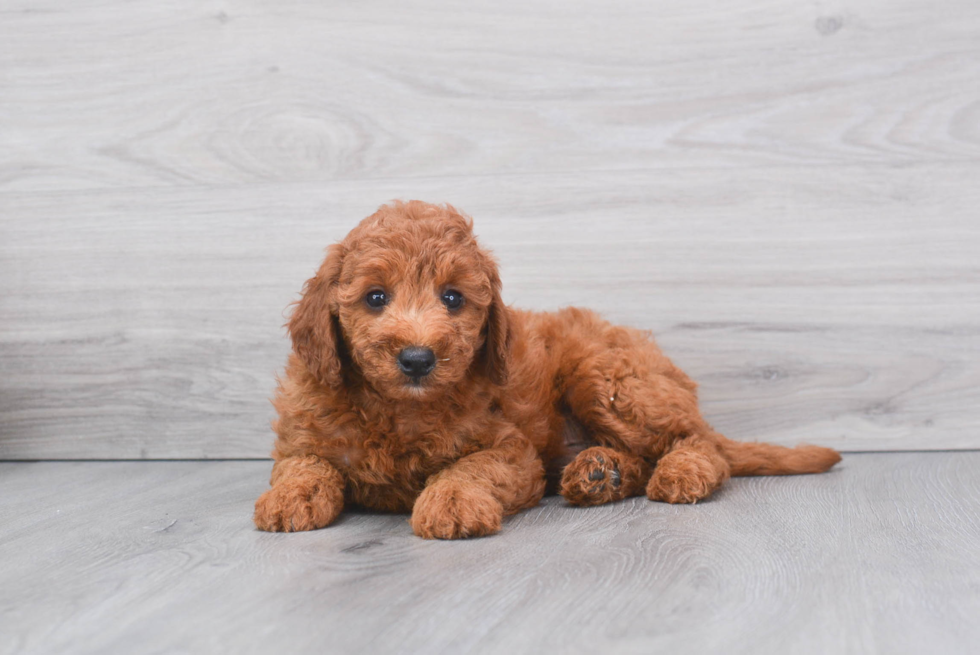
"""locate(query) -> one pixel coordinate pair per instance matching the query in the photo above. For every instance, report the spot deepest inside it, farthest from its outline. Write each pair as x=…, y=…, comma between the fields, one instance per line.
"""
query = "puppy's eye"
x=452, y=299
x=376, y=298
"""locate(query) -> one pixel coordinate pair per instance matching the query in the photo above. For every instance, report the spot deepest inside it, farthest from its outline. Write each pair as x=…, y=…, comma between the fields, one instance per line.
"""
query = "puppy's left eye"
x=376, y=299
x=452, y=299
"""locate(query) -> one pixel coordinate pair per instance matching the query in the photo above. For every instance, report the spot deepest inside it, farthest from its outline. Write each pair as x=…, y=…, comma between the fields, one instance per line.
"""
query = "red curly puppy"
x=412, y=387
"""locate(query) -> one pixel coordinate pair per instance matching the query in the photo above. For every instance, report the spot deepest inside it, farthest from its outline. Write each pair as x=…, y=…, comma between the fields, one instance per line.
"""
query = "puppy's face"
x=410, y=300
x=412, y=304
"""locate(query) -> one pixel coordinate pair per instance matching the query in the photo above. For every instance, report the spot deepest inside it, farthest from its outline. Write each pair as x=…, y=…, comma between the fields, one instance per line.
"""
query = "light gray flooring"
x=878, y=556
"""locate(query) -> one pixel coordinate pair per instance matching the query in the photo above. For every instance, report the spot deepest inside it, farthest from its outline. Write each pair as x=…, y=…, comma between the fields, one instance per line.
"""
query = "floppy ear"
x=497, y=344
x=314, y=326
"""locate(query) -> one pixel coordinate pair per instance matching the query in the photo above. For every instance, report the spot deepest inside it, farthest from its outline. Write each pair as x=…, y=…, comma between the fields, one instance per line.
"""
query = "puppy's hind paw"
x=602, y=475
x=683, y=477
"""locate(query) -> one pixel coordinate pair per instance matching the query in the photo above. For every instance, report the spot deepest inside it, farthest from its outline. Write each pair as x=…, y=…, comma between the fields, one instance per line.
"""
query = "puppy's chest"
x=387, y=469
x=383, y=456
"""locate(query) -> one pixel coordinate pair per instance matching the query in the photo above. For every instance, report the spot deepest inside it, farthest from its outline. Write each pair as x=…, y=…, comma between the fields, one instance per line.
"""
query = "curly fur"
x=472, y=442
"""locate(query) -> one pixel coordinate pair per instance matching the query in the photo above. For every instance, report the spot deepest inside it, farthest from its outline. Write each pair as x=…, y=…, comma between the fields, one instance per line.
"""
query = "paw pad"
x=592, y=479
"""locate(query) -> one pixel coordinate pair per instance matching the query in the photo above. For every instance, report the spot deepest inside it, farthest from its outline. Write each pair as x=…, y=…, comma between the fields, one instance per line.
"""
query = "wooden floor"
x=880, y=555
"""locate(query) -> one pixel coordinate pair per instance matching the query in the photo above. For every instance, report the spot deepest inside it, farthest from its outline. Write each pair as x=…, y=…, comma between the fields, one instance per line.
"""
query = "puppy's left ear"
x=497, y=345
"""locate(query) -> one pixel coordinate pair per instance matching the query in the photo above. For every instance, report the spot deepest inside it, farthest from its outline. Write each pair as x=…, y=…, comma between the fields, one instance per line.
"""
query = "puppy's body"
x=471, y=440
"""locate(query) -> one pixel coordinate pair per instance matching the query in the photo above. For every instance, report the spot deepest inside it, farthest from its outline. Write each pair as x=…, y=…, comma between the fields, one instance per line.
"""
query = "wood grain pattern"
x=877, y=556
x=785, y=193
x=839, y=319
x=135, y=94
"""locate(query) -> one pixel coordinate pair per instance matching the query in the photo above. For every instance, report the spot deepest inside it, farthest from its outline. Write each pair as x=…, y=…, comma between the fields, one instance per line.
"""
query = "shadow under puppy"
x=412, y=387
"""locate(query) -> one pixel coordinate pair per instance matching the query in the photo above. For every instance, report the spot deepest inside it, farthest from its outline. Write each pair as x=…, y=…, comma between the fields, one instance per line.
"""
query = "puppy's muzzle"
x=416, y=362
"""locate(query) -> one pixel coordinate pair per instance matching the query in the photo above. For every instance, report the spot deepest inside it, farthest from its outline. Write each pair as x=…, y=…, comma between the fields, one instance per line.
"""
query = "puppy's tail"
x=768, y=459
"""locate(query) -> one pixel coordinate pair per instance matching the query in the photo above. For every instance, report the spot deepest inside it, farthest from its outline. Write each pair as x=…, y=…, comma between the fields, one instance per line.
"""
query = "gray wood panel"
x=841, y=318
x=124, y=94
x=878, y=556
x=785, y=193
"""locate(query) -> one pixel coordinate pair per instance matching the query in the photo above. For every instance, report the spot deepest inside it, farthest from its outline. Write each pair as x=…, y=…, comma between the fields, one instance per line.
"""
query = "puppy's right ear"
x=314, y=326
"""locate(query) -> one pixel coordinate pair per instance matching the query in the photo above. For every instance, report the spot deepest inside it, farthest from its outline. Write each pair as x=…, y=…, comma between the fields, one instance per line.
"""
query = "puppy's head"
x=409, y=300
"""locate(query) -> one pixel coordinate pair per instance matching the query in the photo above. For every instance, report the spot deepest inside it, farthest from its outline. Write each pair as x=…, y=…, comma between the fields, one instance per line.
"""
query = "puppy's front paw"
x=683, y=477
x=293, y=507
x=451, y=510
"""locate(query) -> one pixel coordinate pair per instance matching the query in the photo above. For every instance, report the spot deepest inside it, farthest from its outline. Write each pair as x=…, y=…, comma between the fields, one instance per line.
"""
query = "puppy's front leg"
x=469, y=498
x=307, y=493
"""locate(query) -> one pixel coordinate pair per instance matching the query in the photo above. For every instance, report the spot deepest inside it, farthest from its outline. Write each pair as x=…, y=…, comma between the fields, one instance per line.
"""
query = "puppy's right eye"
x=376, y=298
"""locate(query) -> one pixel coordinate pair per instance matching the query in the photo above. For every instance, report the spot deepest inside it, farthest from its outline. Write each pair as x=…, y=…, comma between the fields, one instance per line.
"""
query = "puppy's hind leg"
x=632, y=399
x=655, y=417
x=635, y=400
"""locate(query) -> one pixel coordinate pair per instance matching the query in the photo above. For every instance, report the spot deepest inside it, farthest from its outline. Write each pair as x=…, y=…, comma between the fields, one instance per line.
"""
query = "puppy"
x=413, y=388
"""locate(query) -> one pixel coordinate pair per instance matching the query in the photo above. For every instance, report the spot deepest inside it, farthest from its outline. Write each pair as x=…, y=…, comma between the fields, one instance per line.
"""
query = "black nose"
x=416, y=362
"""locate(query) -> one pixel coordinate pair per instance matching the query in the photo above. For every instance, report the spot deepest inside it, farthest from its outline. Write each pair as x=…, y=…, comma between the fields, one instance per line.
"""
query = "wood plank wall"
x=787, y=194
